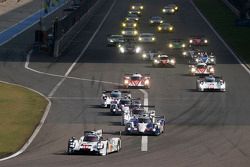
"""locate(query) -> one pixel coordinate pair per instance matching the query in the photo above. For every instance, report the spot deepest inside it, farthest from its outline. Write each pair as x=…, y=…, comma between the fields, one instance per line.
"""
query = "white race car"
x=211, y=83
x=129, y=31
x=113, y=40
x=130, y=47
x=114, y=95
x=170, y=9
x=155, y=20
x=147, y=37
x=136, y=80
x=137, y=6
x=93, y=142
x=201, y=69
x=134, y=17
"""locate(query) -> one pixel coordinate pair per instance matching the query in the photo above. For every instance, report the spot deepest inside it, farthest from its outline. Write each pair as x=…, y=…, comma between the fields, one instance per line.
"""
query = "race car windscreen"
x=115, y=95
x=164, y=58
x=144, y=120
x=138, y=111
x=91, y=138
x=135, y=78
x=125, y=102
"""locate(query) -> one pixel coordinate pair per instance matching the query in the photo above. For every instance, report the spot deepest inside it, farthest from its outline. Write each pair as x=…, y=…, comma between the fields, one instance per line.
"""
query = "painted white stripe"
x=220, y=38
x=144, y=139
x=26, y=145
x=82, y=53
x=144, y=143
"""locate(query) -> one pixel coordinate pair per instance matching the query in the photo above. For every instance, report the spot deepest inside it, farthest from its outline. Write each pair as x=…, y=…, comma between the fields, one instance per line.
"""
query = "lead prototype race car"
x=136, y=80
x=93, y=142
x=210, y=83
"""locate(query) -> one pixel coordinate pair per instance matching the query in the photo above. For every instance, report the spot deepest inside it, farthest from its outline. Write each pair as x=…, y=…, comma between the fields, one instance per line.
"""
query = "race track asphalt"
x=203, y=129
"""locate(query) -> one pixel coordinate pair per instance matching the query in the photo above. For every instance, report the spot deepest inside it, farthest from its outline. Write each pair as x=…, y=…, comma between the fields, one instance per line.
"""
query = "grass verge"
x=20, y=113
x=223, y=20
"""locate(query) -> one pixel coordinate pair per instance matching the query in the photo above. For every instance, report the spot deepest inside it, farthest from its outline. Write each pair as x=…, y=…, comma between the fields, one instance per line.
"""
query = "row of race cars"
x=136, y=117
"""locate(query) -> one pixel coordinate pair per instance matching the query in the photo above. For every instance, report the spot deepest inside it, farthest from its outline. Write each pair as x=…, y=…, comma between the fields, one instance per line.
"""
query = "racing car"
x=165, y=27
x=130, y=47
x=93, y=142
x=204, y=57
x=113, y=40
x=210, y=83
x=155, y=20
x=177, y=44
x=137, y=6
x=170, y=9
x=163, y=60
x=201, y=69
x=129, y=32
x=137, y=12
x=145, y=125
x=134, y=17
x=117, y=107
x=198, y=41
x=136, y=80
x=114, y=95
x=129, y=23
x=147, y=37
x=134, y=111
x=150, y=54
x=191, y=53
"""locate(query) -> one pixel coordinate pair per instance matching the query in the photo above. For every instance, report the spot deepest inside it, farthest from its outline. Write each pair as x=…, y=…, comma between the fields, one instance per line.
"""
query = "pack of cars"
x=136, y=118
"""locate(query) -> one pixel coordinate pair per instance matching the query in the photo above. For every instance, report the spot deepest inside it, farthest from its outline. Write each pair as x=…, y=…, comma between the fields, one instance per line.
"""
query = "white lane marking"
x=220, y=38
x=144, y=139
x=144, y=143
x=82, y=52
x=62, y=76
x=34, y=134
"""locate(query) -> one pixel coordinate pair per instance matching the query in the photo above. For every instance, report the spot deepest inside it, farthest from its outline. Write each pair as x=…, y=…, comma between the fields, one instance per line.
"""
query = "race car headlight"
x=172, y=61
x=184, y=53
x=196, y=60
x=153, y=39
x=172, y=10
x=127, y=18
x=141, y=7
x=138, y=50
x=129, y=129
x=170, y=45
x=156, y=61
x=163, y=10
x=212, y=60
x=192, y=69
x=161, y=21
x=144, y=55
x=124, y=24
x=111, y=40
x=133, y=7
x=211, y=70
x=147, y=82
x=100, y=145
x=190, y=41
x=154, y=129
x=135, y=32
x=183, y=45
x=122, y=49
x=134, y=25
x=205, y=41
x=139, y=39
x=159, y=28
x=176, y=8
x=151, y=21
x=123, y=32
x=126, y=82
x=171, y=28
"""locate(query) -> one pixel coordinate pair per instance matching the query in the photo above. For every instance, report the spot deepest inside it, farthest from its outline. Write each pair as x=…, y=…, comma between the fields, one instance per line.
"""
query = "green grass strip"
x=223, y=20
x=20, y=113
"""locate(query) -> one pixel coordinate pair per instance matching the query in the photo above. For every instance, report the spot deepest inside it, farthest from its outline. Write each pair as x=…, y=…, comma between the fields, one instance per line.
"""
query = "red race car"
x=198, y=41
x=136, y=80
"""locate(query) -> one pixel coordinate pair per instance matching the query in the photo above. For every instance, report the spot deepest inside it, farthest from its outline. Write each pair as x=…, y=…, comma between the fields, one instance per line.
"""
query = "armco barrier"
x=62, y=43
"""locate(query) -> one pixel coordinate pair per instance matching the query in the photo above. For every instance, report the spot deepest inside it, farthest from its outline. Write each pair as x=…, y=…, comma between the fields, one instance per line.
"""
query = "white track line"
x=144, y=139
x=25, y=146
x=220, y=38
x=82, y=53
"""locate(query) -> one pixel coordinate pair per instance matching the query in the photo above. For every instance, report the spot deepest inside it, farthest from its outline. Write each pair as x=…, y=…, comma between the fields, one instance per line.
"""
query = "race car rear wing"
x=122, y=91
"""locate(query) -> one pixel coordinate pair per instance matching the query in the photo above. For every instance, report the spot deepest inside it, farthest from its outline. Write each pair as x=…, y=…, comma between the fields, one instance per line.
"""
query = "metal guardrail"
x=66, y=38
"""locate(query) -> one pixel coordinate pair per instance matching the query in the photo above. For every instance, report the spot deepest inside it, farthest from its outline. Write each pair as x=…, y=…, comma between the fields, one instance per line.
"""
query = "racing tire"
x=70, y=151
x=118, y=146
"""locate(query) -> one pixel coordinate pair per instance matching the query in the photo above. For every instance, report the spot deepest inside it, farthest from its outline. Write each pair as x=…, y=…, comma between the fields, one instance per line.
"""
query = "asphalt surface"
x=203, y=129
